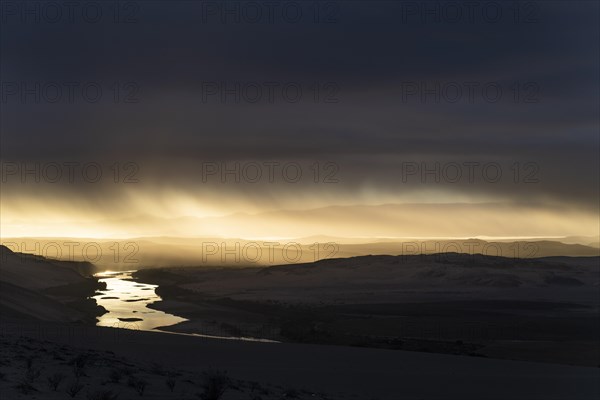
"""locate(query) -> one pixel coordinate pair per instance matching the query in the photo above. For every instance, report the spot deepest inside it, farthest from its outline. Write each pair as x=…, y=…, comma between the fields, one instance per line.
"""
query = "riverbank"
x=495, y=309
x=79, y=296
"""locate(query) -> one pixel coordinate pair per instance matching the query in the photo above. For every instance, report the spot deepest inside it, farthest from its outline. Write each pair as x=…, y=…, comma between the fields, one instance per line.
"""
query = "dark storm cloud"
x=364, y=61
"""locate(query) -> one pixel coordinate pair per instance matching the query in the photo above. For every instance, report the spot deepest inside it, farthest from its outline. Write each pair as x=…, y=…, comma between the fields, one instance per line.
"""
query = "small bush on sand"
x=74, y=388
x=79, y=364
x=138, y=384
x=214, y=384
x=54, y=380
x=31, y=372
x=170, y=382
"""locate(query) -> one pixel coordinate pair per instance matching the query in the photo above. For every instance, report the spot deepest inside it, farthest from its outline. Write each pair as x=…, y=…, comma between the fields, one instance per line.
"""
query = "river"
x=127, y=303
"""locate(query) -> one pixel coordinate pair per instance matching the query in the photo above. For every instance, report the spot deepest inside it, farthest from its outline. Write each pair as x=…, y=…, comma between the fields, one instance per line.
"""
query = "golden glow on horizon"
x=139, y=212
x=443, y=221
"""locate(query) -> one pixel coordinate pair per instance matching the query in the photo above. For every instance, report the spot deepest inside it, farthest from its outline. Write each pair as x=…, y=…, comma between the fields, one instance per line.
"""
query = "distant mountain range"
x=147, y=252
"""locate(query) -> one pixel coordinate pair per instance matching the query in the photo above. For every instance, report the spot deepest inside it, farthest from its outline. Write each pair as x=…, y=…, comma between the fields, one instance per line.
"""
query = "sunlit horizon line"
x=121, y=237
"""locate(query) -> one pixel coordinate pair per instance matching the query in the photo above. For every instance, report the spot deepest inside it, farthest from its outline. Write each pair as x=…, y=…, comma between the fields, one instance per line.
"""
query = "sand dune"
x=377, y=278
x=34, y=272
x=527, y=309
x=44, y=289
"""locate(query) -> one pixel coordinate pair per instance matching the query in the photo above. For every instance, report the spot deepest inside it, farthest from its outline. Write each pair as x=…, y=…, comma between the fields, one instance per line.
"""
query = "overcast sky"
x=372, y=92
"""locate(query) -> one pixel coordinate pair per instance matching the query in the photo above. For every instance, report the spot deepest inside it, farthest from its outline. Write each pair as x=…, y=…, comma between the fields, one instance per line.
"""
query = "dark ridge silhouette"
x=46, y=289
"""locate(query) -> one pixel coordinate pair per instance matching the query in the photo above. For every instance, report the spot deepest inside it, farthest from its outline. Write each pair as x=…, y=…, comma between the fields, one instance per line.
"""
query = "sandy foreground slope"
x=342, y=372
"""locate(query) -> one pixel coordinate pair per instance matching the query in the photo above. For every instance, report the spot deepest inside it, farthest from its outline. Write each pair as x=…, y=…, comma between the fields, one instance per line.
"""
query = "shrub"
x=79, y=364
x=31, y=372
x=138, y=384
x=170, y=382
x=214, y=384
x=54, y=380
x=74, y=388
